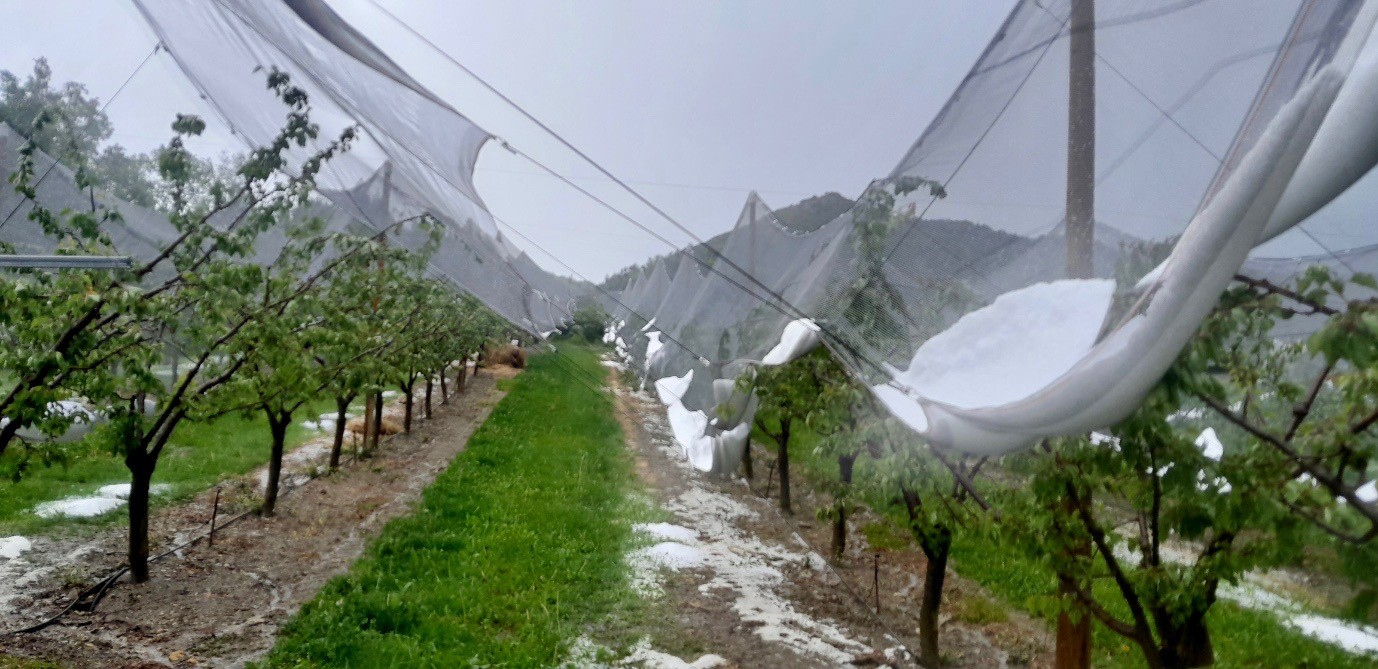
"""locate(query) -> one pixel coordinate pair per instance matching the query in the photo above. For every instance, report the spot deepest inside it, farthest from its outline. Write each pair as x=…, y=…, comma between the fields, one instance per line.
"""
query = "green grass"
x=515, y=550
x=11, y=662
x=198, y=456
x=1241, y=637
x=980, y=610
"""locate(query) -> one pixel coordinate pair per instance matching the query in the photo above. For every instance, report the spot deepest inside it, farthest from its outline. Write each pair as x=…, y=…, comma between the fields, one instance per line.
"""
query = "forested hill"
x=806, y=216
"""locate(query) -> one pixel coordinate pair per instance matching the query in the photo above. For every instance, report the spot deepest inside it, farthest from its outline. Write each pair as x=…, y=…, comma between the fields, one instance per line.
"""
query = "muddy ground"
x=825, y=614
x=221, y=606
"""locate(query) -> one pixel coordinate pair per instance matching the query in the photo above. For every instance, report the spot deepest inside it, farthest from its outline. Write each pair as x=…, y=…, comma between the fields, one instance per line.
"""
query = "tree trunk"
x=141, y=476
x=1193, y=648
x=934, y=574
x=341, y=410
x=746, y=459
x=936, y=543
x=1073, y=635
x=444, y=391
x=277, y=425
x=782, y=466
x=7, y=435
x=369, y=400
x=462, y=374
x=407, y=405
x=844, y=470
x=140, y=464
x=428, y=397
x=377, y=419
x=141, y=457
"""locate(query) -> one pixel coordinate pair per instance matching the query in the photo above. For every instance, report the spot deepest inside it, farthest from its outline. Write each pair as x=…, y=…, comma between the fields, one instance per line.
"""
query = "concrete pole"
x=1074, y=635
x=1081, y=140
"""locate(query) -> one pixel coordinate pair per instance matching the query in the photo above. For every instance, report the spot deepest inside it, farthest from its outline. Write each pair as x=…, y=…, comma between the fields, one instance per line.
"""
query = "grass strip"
x=515, y=550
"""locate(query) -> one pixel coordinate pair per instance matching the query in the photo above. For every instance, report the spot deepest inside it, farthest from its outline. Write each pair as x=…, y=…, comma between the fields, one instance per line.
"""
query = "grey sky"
x=695, y=102
x=791, y=99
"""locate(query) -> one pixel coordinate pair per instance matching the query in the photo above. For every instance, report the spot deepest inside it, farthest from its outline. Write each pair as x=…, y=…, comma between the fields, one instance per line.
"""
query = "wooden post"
x=875, y=581
x=746, y=461
x=377, y=420
x=215, y=511
x=368, y=419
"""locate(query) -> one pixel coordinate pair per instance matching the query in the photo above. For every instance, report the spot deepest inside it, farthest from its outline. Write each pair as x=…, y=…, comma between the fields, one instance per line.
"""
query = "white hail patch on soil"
x=18, y=575
x=667, y=531
x=299, y=464
x=677, y=552
x=78, y=507
x=586, y=653
x=107, y=499
x=1353, y=637
x=325, y=422
x=12, y=547
x=645, y=656
x=747, y=569
x=121, y=490
x=1253, y=594
x=675, y=556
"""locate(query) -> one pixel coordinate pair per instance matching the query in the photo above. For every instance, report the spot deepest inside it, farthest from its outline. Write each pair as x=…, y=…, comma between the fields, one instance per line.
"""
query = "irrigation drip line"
x=156, y=48
x=98, y=590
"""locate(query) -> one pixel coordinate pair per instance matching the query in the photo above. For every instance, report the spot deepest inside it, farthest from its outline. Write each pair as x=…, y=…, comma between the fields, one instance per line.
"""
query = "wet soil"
x=839, y=594
x=221, y=605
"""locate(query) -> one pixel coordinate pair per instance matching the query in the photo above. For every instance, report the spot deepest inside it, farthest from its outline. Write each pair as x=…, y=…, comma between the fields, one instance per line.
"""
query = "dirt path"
x=749, y=587
x=221, y=606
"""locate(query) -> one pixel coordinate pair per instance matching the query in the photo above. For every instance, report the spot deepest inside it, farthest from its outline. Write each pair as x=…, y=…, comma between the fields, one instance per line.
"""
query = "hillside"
x=805, y=216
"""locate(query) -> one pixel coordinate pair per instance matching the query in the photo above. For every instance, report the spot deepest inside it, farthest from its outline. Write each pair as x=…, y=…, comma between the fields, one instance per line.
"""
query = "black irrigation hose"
x=98, y=590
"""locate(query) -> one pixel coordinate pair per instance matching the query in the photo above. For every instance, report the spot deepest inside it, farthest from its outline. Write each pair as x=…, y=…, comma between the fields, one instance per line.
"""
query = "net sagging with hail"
x=1166, y=139
x=1170, y=140
x=414, y=154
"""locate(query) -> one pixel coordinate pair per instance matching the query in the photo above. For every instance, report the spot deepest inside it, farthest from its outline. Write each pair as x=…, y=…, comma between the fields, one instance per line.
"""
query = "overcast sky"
x=695, y=103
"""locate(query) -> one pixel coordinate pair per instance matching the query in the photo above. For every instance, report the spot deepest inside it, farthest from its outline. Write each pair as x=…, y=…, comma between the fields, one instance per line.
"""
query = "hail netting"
x=416, y=154
x=140, y=233
x=1210, y=118
x=137, y=232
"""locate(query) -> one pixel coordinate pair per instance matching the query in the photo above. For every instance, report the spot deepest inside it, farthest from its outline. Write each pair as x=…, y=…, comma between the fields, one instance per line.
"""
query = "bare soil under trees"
x=222, y=606
x=839, y=596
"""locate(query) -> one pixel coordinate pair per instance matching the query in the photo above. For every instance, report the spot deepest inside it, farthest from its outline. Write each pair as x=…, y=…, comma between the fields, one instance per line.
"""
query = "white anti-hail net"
x=1207, y=121
x=415, y=154
x=1169, y=139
